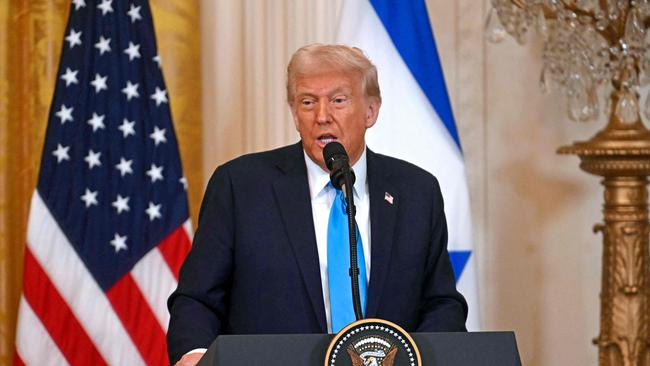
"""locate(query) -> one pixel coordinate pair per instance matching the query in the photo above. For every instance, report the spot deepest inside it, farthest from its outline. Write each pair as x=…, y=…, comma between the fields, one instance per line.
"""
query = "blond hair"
x=316, y=57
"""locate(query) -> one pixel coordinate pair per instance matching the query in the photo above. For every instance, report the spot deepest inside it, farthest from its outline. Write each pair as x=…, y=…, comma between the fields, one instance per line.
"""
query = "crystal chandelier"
x=591, y=48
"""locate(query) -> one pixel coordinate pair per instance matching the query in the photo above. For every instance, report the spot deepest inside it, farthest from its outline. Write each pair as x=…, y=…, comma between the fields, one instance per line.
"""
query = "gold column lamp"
x=595, y=48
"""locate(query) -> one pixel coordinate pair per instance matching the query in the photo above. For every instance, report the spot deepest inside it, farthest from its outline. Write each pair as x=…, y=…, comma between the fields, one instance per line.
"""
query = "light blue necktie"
x=338, y=266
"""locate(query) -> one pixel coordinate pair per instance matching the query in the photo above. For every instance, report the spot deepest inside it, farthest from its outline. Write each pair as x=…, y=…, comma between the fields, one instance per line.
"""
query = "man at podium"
x=267, y=256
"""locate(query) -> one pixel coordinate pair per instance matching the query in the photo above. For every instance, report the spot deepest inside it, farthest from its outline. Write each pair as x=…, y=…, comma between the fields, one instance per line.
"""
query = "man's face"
x=331, y=106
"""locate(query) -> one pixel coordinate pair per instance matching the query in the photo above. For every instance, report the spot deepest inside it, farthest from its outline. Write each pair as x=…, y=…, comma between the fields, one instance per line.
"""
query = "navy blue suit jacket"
x=254, y=268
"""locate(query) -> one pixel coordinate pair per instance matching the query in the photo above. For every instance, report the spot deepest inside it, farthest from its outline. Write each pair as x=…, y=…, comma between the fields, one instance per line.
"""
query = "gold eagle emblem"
x=378, y=357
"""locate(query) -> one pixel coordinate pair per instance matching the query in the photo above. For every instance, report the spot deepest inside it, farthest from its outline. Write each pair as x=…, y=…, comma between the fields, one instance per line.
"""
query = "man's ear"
x=372, y=111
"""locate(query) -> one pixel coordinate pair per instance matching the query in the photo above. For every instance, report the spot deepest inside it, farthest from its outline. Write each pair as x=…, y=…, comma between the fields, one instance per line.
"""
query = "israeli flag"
x=416, y=122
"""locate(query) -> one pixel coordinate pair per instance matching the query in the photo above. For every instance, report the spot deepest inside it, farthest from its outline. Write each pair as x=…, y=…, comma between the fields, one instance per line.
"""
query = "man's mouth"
x=325, y=139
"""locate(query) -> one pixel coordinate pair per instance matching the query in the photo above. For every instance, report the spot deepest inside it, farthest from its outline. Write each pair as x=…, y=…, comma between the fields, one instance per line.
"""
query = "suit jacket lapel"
x=383, y=214
x=292, y=194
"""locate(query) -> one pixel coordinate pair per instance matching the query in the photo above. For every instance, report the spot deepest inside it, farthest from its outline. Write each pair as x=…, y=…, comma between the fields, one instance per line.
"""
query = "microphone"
x=342, y=177
x=338, y=163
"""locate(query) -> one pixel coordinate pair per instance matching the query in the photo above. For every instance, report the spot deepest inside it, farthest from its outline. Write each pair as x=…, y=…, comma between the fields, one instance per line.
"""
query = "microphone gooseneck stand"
x=348, y=189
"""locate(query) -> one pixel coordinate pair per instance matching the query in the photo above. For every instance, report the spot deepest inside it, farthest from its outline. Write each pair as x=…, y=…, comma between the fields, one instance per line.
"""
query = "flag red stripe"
x=53, y=311
x=17, y=360
x=139, y=321
x=174, y=249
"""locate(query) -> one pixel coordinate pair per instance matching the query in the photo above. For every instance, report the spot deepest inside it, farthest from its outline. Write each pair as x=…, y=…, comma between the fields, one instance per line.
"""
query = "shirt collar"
x=318, y=178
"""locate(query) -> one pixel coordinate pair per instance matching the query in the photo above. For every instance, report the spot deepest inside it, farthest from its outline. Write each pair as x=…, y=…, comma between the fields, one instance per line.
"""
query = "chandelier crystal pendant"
x=588, y=44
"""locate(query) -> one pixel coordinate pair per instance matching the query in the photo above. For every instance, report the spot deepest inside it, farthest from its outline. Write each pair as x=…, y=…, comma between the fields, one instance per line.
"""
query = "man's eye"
x=339, y=100
x=307, y=102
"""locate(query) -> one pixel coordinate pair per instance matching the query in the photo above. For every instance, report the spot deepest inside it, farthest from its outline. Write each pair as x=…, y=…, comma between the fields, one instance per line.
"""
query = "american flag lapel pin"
x=388, y=198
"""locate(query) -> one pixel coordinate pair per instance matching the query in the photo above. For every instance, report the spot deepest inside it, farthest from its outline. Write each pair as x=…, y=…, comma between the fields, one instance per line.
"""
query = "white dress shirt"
x=322, y=197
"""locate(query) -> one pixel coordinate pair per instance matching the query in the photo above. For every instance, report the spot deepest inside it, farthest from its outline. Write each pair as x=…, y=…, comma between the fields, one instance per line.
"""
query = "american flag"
x=108, y=226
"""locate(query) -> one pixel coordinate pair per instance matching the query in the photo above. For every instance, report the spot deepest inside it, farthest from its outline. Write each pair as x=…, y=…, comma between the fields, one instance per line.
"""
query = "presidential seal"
x=372, y=342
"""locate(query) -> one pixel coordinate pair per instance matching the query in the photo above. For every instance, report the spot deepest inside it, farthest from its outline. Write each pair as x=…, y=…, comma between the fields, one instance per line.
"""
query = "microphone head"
x=338, y=163
x=332, y=152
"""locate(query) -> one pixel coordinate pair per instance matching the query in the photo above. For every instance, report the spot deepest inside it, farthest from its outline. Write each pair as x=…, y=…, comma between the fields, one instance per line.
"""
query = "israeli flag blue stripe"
x=415, y=122
x=407, y=24
x=458, y=260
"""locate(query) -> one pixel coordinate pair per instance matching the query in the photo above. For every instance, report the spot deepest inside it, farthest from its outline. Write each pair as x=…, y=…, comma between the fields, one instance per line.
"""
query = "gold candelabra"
x=596, y=52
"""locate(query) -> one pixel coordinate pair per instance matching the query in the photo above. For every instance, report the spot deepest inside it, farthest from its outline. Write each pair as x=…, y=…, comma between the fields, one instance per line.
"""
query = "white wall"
x=539, y=263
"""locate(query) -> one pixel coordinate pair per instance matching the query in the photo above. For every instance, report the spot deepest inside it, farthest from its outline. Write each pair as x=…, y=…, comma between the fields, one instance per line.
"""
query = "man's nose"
x=323, y=112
